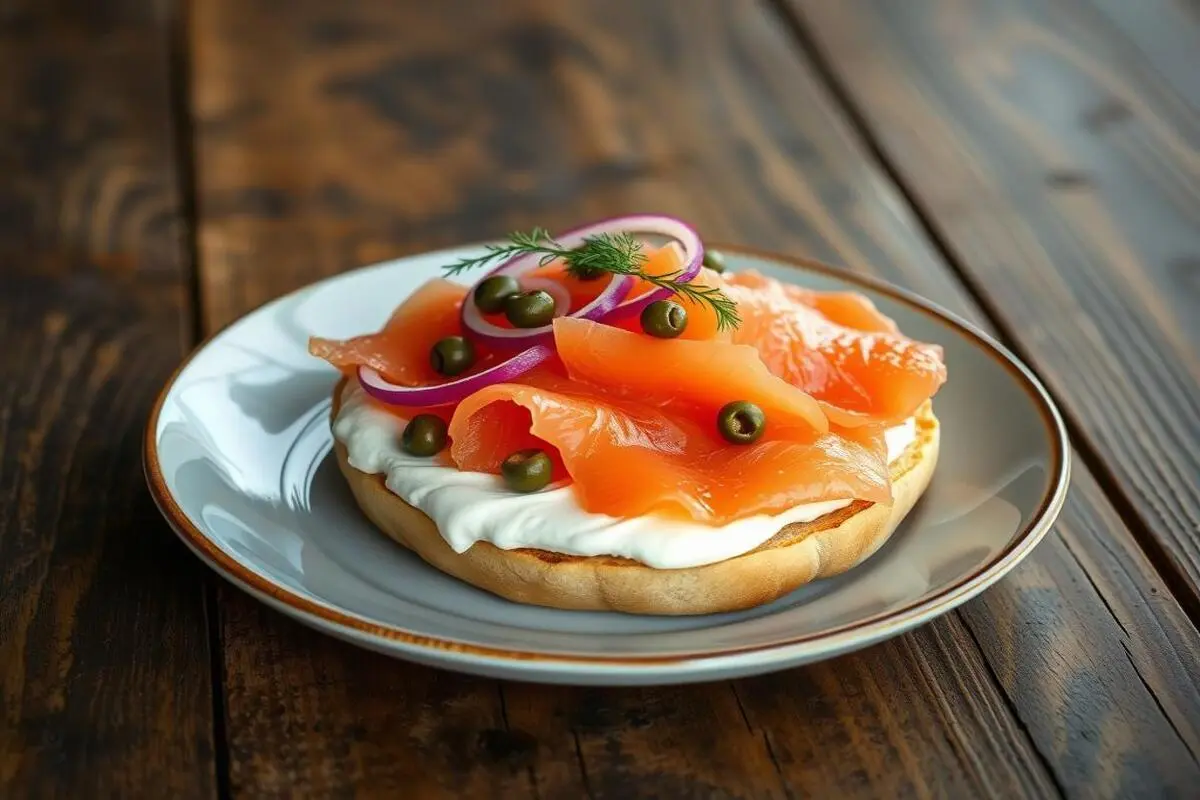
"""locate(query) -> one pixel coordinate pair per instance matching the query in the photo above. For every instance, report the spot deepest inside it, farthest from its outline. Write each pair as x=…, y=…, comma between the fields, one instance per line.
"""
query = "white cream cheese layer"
x=470, y=507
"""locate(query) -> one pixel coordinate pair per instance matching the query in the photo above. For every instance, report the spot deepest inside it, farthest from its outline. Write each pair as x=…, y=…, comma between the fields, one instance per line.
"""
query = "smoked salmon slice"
x=628, y=458
x=400, y=351
x=838, y=349
x=695, y=373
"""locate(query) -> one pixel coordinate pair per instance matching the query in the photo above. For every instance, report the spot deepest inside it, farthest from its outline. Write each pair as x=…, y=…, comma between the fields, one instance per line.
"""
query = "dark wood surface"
x=948, y=147
x=1055, y=148
x=105, y=679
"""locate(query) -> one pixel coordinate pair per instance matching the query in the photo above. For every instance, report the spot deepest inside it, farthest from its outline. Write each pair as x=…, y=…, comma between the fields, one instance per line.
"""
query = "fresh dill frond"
x=613, y=253
x=618, y=253
x=519, y=243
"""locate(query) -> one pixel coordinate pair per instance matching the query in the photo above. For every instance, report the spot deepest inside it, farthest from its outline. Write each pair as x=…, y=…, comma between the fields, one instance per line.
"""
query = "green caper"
x=665, y=319
x=452, y=355
x=527, y=470
x=424, y=435
x=714, y=260
x=741, y=422
x=530, y=310
x=491, y=292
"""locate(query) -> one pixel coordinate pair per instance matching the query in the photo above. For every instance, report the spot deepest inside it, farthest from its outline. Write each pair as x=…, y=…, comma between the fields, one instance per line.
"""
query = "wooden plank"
x=470, y=127
x=1164, y=34
x=308, y=715
x=920, y=689
x=1061, y=169
x=418, y=125
x=666, y=742
x=1088, y=641
x=104, y=666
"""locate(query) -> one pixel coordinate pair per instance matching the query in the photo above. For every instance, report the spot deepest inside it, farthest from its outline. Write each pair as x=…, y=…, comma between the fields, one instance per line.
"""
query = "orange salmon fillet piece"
x=705, y=374
x=400, y=351
x=628, y=458
x=838, y=348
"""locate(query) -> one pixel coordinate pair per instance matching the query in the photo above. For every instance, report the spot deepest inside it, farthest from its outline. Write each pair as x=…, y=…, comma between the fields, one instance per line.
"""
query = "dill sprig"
x=614, y=253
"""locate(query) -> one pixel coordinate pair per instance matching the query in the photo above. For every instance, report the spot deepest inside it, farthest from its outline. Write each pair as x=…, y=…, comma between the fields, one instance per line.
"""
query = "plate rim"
x=867, y=630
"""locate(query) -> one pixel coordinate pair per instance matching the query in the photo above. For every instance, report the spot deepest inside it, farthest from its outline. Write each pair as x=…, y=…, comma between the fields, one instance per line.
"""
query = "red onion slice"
x=449, y=393
x=682, y=233
x=508, y=338
x=609, y=301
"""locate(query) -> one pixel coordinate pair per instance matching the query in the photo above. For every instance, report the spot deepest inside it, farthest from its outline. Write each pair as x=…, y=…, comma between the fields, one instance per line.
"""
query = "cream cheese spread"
x=470, y=507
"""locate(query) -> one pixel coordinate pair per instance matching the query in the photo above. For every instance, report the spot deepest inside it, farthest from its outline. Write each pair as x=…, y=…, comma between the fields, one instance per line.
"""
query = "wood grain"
x=329, y=137
x=1062, y=168
x=1163, y=34
x=921, y=688
x=1112, y=699
x=104, y=665
x=687, y=741
x=309, y=715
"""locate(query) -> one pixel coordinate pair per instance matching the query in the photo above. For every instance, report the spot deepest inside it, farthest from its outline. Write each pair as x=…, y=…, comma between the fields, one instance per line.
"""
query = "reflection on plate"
x=238, y=459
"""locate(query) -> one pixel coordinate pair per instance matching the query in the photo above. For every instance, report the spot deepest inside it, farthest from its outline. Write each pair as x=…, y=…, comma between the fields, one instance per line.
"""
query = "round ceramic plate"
x=238, y=457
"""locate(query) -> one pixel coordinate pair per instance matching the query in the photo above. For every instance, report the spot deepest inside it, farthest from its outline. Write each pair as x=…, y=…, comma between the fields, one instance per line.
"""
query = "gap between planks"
x=179, y=102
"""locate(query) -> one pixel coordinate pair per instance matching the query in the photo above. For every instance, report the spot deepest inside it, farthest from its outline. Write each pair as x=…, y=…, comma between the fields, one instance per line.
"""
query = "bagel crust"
x=799, y=553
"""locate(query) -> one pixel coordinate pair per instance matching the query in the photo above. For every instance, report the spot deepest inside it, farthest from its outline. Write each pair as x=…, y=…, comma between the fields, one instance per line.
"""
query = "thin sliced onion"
x=609, y=302
x=510, y=338
x=444, y=394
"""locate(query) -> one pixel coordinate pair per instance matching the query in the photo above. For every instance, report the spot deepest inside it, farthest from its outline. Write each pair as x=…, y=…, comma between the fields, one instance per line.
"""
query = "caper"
x=452, y=355
x=741, y=422
x=714, y=260
x=665, y=319
x=530, y=310
x=424, y=435
x=491, y=292
x=527, y=470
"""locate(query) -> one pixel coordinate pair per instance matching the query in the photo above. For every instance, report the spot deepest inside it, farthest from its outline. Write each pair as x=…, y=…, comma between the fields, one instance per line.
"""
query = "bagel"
x=796, y=555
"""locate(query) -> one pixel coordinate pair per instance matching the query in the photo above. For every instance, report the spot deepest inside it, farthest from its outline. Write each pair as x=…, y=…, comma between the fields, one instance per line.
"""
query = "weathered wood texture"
x=1164, y=33
x=1059, y=158
x=104, y=665
x=1111, y=695
x=334, y=136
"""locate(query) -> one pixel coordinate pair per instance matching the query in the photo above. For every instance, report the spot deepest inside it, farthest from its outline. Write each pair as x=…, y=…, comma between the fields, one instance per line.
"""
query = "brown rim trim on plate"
x=901, y=619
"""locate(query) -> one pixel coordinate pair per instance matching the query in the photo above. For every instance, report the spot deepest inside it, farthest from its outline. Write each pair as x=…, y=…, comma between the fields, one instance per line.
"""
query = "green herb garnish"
x=615, y=253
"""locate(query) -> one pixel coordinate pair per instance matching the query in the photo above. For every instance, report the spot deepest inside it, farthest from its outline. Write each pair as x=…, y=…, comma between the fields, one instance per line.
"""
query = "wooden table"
x=1033, y=164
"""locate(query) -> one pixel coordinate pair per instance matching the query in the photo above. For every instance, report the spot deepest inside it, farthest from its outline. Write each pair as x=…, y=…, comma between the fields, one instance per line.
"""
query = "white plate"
x=238, y=459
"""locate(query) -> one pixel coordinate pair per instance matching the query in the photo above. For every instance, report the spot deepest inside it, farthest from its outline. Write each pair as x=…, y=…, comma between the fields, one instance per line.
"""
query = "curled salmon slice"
x=703, y=374
x=838, y=348
x=847, y=309
x=627, y=458
x=400, y=350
